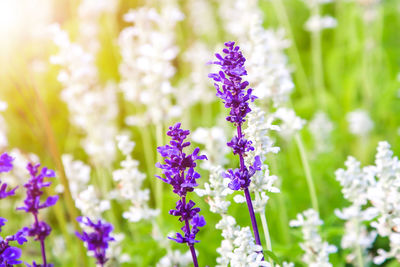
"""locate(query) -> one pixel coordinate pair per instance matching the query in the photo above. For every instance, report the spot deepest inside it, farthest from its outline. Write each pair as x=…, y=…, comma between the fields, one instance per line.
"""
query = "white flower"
x=77, y=172
x=316, y=250
x=90, y=205
x=321, y=128
x=216, y=191
x=175, y=258
x=130, y=181
x=318, y=23
x=290, y=122
x=359, y=122
x=86, y=98
x=148, y=49
x=238, y=248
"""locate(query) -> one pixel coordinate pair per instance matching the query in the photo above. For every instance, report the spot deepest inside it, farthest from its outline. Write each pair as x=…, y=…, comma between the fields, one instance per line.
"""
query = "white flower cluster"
x=316, y=250
x=17, y=176
x=238, y=248
x=89, y=12
x=360, y=123
x=215, y=148
x=385, y=198
x=85, y=98
x=216, y=191
x=374, y=193
x=321, y=128
x=130, y=181
x=90, y=204
x=148, y=49
x=355, y=183
x=78, y=174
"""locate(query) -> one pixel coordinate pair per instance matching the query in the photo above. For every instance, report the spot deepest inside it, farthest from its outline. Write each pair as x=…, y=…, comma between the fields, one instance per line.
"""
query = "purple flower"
x=10, y=256
x=96, y=241
x=34, y=190
x=180, y=174
x=6, y=163
x=229, y=85
x=236, y=95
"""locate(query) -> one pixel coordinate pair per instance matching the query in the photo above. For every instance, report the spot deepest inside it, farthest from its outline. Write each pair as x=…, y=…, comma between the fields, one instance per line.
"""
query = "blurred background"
x=74, y=75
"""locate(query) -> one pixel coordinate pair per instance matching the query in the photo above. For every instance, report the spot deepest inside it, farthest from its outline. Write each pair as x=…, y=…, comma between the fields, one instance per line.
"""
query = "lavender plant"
x=9, y=255
x=34, y=190
x=180, y=174
x=96, y=241
x=232, y=90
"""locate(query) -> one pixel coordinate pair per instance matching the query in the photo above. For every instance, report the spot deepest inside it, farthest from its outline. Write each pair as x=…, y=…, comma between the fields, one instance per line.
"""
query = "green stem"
x=294, y=54
x=159, y=184
x=148, y=147
x=360, y=260
x=307, y=170
x=316, y=50
x=264, y=224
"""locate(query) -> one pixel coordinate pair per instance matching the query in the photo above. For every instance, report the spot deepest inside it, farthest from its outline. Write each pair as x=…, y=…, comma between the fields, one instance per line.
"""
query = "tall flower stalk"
x=34, y=190
x=9, y=255
x=232, y=90
x=179, y=172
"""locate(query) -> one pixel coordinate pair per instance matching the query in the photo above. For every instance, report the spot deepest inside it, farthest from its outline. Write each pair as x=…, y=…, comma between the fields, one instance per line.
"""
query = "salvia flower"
x=180, y=174
x=6, y=162
x=236, y=96
x=9, y=256
x=34, y=190
x=98, y=240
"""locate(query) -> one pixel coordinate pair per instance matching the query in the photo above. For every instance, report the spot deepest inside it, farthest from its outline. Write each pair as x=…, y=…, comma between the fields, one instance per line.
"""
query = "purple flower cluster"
x=232, y=90
x=180, y=174
x=9, y=256
x=234, y=94
x=39, y=229
x=97, y=241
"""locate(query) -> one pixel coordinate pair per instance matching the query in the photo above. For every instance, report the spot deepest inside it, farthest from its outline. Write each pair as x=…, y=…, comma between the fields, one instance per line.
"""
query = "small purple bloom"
x=96, y=241
x=34, y=190
x=3, y=191
x=10, y=256
x=6, y=163
x=180, y=174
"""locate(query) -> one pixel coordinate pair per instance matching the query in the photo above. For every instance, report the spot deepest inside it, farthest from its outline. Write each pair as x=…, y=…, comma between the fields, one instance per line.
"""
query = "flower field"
x=200, y=133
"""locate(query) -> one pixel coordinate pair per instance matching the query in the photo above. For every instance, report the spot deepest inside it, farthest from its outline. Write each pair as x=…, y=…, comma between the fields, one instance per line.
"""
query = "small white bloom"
x=318, y=23
x=360, y=122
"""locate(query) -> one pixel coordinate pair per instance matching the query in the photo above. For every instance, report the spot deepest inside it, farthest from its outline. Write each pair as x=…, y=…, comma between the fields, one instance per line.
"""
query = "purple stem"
x=191, y=246
x=41, y=243
x=247, y=194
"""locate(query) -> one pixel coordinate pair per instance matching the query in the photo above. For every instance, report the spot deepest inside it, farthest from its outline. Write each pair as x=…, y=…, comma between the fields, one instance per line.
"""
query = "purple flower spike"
x=180, y=174
x=236, y=95
x=96, y=241
x=34, y=190
x=6, y=163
